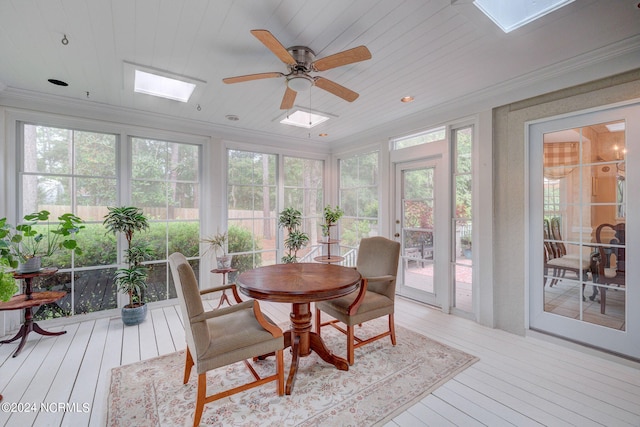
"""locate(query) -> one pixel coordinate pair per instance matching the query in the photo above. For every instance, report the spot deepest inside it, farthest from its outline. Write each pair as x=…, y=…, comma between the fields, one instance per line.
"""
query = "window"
x=66, y=170
x=253, y=205
x=303, y=190
x=431, y=135
x=69, y=170
x=252, y=209
x=358, y=195
x=165, y=185
x=462, y=141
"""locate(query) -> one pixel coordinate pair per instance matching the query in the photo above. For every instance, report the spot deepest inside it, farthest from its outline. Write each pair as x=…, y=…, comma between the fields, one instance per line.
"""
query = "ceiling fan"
x=301, y=61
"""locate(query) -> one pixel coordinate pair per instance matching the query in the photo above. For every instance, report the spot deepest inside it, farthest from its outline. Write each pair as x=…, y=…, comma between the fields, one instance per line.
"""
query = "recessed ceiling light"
x=58, y=82
x=407, y=99
x=164, y=87
x=304, y=119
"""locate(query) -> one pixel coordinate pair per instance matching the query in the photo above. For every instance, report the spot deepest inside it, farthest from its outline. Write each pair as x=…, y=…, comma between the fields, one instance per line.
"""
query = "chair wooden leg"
x=350, y=345
x=280, y=369
x=392, y=329
x=188, y=364
x=200, y=399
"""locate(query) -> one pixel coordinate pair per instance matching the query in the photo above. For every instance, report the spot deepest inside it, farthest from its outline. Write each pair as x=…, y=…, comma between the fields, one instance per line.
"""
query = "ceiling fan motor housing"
x=304, y=58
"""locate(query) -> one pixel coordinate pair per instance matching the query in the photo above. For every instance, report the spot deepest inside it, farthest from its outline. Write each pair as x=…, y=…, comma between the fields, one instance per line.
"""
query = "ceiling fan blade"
x=357, y=54
x=274, y=46
x=288, y=99
x=249, y=77
x=336, y=89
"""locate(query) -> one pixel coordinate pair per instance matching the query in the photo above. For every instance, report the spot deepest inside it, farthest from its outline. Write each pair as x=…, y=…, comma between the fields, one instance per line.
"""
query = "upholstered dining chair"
x=377, y=262
x=611, y=264
x=223, y=336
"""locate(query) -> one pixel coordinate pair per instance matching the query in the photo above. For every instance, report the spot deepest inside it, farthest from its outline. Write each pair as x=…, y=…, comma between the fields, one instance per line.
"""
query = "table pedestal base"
x=302, y=341
x=27, y=327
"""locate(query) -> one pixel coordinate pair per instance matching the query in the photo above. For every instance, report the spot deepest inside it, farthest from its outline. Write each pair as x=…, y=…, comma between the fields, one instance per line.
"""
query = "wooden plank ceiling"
x=439, y=51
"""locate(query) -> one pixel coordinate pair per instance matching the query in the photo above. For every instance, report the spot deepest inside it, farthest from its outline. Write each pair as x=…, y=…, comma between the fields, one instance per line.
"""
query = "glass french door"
x=582, y=226
x=422, y=228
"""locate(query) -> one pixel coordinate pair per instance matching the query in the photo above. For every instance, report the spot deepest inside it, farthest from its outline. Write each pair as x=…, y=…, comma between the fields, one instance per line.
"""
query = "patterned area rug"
x=384, y=381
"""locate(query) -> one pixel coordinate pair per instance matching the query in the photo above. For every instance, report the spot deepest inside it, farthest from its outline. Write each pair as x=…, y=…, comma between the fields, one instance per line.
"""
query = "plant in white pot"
x=24, y=245
x=131, y=280
x=215, y=243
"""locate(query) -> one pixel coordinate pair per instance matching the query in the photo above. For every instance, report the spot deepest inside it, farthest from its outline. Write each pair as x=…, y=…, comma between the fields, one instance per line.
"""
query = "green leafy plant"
x=132, y=279
x=215, y=242
x=37, y=236
x=291, y=220
x=331, y=217
x=8, y=285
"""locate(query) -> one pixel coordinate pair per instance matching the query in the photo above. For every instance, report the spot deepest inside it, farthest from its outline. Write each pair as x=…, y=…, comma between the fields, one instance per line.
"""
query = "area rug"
x=384, y=381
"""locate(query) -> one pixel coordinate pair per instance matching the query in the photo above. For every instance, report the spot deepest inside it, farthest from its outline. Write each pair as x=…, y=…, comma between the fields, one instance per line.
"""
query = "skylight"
x=164, y=87
x=512, y=14
x=304, y=119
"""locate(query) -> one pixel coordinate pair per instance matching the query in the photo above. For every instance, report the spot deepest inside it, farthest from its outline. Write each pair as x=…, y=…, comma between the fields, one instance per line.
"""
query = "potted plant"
x=291, y=220
x=131, y=280
x=218, y=242
x=24, y=245
x=465, y=244
x=331, y=217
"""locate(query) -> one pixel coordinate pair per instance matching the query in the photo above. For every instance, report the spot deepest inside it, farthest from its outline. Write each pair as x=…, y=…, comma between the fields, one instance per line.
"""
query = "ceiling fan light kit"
x=300, y=61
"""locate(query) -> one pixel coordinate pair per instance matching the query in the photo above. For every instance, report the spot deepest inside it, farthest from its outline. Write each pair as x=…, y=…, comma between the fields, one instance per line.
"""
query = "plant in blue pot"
x=132, y=279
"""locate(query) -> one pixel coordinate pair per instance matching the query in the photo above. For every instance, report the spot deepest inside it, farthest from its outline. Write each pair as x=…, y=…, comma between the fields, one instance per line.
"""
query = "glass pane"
x=93, y=195
x=463, y=196
x=95, y=154
x=185, y=200
x=368, y=202
x=156, y=238
x=368, y=169
x=50, y=193
x=149, y=159
x=95, y=290
x=584, y=237
x=349, y=172
x=56, y=309
x=157, y=283
x=463, y=282
x=183, y=162
x=47, y=150
x=418, y=184
x=432, y=135
x=151, y=197
x=98, y=247
x=463, y=150
x=184, y=237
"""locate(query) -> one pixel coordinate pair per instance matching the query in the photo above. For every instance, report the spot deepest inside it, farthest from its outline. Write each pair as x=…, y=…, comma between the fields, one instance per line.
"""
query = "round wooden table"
x=300, y=284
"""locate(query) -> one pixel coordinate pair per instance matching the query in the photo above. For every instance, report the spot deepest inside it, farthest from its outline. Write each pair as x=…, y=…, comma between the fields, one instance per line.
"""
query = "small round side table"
x=224, y=297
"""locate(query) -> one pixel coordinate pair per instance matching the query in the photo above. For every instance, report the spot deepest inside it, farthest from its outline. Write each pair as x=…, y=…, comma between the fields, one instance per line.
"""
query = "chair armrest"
x=353, y=308
x=387, y=278
x=269, y=327
x=222, y=311
x=231, y=286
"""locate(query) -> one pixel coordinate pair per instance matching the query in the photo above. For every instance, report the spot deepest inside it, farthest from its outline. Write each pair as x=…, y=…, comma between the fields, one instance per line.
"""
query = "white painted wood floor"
x=521, y=381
